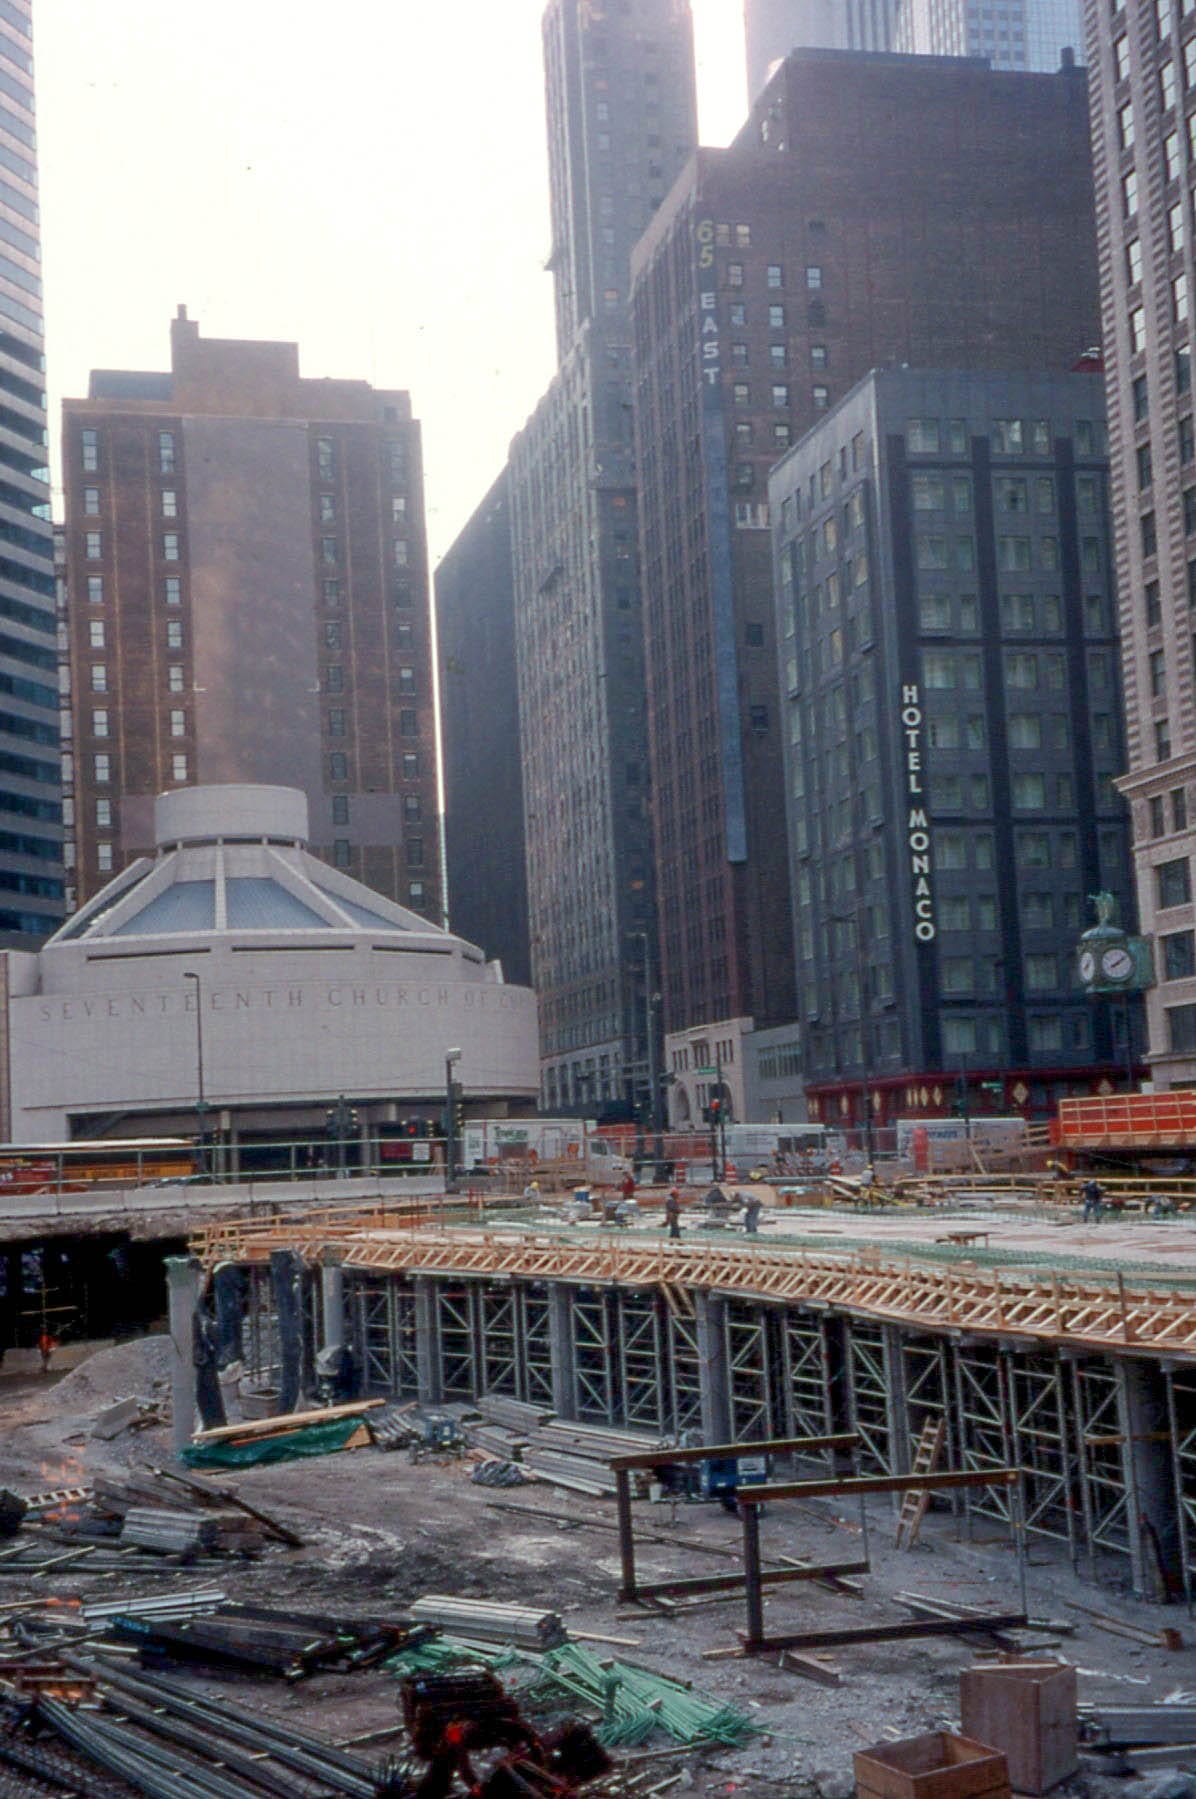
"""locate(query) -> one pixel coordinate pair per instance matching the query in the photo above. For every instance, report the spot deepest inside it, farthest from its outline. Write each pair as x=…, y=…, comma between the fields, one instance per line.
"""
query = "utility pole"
x=451, y=1058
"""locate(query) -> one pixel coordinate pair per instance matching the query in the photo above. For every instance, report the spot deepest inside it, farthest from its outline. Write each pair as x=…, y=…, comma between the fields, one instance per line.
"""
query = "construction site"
x=880, y=1487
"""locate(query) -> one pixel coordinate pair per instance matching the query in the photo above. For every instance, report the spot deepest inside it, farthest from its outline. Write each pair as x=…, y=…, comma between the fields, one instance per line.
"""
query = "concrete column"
x=429, y=1367
x=896, y=1412
x=332, y=1301
x=713, y=1371
x=561, y=1350
x=182, y=1283
x=286, y=1273
x=1149, y=1480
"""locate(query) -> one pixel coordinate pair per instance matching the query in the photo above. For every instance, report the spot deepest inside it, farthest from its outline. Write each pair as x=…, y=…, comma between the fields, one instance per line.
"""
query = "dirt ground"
x=380, y=1530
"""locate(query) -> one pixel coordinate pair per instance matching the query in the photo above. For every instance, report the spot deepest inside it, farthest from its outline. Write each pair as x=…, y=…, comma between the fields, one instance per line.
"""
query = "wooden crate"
x=940, y=1765
x=1028, y=1711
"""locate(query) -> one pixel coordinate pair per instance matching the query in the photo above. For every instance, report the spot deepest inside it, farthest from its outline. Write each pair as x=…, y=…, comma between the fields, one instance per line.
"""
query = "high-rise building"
x=773, y=28
x=622, y=123
x=1012, y=34
x=248, y=600
x=619, y=85
x=1142, y=62
x=484, y=848
x=31, y=873
x=776, y=275
x=952, y=733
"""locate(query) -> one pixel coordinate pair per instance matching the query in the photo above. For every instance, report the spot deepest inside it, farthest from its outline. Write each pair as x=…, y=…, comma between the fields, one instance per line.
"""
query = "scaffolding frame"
x=1181, y=1414
x=593, y=1355
x=640, y=1339
x=805, y=1366
x=869, y=1386
x=746, y=1337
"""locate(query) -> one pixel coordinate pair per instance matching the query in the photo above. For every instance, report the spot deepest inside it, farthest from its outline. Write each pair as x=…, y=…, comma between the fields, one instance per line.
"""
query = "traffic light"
x=458, y=1097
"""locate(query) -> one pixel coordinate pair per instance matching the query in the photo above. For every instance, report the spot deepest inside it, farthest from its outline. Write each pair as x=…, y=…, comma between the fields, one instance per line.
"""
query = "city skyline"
x=260, y=235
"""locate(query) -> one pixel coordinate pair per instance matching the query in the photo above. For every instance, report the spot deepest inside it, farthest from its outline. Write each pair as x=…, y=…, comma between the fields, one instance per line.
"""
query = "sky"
x=368, y=179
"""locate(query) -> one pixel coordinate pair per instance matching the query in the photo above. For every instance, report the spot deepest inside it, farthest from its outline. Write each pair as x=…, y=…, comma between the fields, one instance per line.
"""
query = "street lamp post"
x=201, y=1104
x=451, y=1058
x=651, y=1001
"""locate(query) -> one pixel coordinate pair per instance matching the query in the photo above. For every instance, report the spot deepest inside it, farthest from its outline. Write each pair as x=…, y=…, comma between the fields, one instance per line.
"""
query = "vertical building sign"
x=718, y=516
x=917, y=820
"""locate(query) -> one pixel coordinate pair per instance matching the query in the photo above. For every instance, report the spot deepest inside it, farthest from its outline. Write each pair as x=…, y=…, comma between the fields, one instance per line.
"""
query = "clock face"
x=1087, y=965
x=1117, y=964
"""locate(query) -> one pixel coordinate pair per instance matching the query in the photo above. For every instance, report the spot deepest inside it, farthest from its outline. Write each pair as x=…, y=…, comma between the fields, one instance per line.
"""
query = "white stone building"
x=235, y=979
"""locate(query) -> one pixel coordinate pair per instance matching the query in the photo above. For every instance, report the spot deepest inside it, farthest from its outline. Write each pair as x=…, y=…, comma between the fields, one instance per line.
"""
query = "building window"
x=99, y=677
x=95, y=589
x=1143, y=462
x=172, y=589
x=99, y=721
x=1029, y=792
x=329, y=550
x=406, y=680
x=1158, y=674
x=95, y=634
x=775, y=276
x=415, y=895
x=174, y=677
x=334, y=678
x=336, y=722
x=922, y=437
x=104, y=857
x=1042, y=974
x=332, y=634
x=91, y=502
x=340, y=852
x=1179, y=808
x=170, y=546
x=327, y=509
x=174, y=634
x=325, y=458
x=1173, y=883
x=1158, y=821
x=1179, y=298
x=412, y=808
x=332, y=592
x=410, y=760
x=1133, y=261
x=780, y=395
x=821, y=397
x=1162, y=740
x=101, y=767
x=166, y=452
x=1167, y=86
x=1179, y=955
x=93, y=546
x=415, y=852
x=1181, y=1028
x=1137, y=330
x=340, y=808
x=338, y=766
x=1125, y=125
x=734, y=274
x=104, y=815
x=90, y=448
x=1129, y=193
x=1149, y=539
x=1121, y=57
x=178, y=767
x=400, y=552
x=178, y=724
x=170, y=504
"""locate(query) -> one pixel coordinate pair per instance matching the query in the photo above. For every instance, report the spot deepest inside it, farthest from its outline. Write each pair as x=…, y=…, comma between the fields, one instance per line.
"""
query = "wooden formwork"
x=1056, y=1308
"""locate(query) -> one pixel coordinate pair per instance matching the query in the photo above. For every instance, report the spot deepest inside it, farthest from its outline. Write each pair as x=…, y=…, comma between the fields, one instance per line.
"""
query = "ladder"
x=926, y=1459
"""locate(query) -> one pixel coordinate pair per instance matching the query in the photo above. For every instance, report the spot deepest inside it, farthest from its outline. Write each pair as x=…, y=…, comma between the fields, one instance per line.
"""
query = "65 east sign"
x=918, y=824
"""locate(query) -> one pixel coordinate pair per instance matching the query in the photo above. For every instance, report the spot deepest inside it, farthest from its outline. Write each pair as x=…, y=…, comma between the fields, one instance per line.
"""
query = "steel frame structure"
x=1181, y=1413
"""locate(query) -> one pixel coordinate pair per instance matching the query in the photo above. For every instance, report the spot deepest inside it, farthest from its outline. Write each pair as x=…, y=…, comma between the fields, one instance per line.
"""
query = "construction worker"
x=672, y=1214
x=627, y=1187
x=532, y=1192
x=1092, y=1193
x=753, y=1205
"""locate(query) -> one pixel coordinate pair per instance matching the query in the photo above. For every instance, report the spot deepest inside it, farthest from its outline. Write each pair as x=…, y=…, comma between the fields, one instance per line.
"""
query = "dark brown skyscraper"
x=248, y=601
x=874, y=210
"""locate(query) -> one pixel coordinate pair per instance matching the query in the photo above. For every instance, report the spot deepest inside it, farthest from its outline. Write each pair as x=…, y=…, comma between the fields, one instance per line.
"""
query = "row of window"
x=326, y=457
x=1024, y=670
x=1036, y=614
x=89, y=442
x=408, y=721
x=93, y=546
x=338, y=765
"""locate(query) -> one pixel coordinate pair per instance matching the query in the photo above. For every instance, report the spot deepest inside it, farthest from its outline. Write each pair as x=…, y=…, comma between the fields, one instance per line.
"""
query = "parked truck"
x=559, y=1146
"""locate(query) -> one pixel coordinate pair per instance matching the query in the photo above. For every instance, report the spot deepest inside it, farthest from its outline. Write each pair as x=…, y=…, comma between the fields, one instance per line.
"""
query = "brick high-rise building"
x=31, y=875
x=874, y=210
x=1012, y=34
x=1142, y=64
x=621, y=124
x=772, y=28
x=248, y=602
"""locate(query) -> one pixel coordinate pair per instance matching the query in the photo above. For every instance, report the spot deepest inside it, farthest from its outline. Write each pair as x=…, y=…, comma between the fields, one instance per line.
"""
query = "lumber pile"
x=563, y=1452
x=488, y=1621
x=1134, y=1738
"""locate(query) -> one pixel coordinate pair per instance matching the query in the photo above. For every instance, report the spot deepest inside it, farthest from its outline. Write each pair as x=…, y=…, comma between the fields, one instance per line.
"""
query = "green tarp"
x=313, y=1439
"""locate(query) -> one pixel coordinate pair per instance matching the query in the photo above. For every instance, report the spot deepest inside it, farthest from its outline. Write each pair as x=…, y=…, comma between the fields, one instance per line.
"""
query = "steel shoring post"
x=592, y=1351
x=808, y=1405
x=1019, y=1537
x=747, y=1365
x=499, y=1354
x=641, y=1362
x=1183, y=1464
x=869, y=1393
x=752, y=1585
x=685, y=1373
x=1100, y=1429
x=535, y=1359
x=1039, y=1446
x=984, y=1434
x=627, y=1590
x=404, y=1338
x=456, y=1333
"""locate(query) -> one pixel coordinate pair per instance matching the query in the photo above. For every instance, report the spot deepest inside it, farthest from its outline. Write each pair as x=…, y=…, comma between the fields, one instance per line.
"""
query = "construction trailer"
x=1085, y=1381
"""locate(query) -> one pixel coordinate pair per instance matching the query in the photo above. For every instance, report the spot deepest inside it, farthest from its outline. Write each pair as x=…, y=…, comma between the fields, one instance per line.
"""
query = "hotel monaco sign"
x=918, y=824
